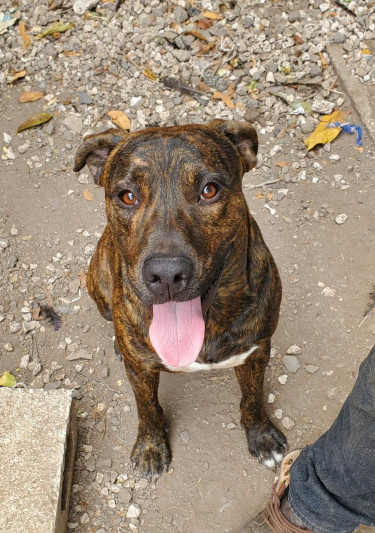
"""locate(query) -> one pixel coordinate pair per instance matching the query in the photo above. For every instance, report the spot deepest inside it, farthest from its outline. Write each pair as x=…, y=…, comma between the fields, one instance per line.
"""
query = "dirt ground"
x=214, y=486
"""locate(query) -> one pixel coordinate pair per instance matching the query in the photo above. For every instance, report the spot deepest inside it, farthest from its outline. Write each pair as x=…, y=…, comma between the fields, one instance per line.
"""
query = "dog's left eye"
x=209, y=191
x=129, y=198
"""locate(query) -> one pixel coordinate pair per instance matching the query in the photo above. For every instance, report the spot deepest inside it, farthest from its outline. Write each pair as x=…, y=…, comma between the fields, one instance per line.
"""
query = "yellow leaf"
x=323, y=61
x=212, y=15
x=17, y=75
x=59, y=27
x=366, y=52
x=87, y=195
x=32, y=96
x=149, y=74
x=7, y=380
x=120, y=119
x=225, y=98
x=35, y=120
x=25, y=37
x=322, y=134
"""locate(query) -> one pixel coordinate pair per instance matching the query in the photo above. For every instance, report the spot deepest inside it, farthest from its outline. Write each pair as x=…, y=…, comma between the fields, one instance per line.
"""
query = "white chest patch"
x=233, y=361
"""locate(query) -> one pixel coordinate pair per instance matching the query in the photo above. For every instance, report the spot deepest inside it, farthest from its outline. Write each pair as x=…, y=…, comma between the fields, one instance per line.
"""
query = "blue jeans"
x=332, y=483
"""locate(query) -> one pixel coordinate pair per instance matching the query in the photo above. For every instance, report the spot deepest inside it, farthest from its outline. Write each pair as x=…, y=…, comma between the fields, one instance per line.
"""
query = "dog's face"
x=174, y=204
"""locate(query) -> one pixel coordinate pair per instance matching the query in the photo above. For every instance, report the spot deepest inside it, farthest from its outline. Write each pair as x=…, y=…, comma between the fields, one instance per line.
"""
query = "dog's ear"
x=94, y=152
x=243, y=136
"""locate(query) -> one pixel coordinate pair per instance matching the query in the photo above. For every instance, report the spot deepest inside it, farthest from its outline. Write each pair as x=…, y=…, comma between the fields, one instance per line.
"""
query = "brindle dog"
x=183, y=271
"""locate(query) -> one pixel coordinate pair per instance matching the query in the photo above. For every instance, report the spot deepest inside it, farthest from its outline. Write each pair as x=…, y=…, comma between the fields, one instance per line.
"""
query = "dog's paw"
x=267, y=444
x=151, y=455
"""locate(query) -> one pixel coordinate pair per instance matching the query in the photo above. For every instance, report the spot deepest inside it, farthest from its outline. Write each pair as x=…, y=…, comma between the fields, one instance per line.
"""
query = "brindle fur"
x=165, y=166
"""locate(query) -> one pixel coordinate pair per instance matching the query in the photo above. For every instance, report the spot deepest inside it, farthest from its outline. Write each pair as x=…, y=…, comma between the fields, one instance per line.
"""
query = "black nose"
x=167, y=276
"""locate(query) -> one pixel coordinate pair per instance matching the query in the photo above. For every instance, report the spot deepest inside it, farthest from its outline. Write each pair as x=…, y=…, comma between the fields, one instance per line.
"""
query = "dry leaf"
x=36, y=313
x=71, y=53
x=17, y=76
x=87, y=195
x=59, y=27
x=212, y=15
x=25, y=37
x=281, y=164
x=32, y=96
x=149, y=74
x=204, y=24
x=231, y=88
x=366, y=52
x=259, y=196
x=206, y=48
x=298, y=39
x=201, y=86
x=225, y=98
x=323, y=61
x=322, y=134
x=120, y=119
x=35, y=120
x=82, y=276
x=7, y=380
x=197, y=35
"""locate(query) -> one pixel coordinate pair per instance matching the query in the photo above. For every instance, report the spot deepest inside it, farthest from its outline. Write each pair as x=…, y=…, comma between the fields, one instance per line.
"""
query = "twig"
x=264, y=183
x=196, y=485
x=344, y=7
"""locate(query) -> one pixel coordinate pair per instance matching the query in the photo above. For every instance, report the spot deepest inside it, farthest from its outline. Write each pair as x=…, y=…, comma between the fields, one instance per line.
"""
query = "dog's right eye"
x=128, y=198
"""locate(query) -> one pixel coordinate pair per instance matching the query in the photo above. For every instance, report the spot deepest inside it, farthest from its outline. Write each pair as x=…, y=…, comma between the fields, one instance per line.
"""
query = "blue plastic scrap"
x=349, y=128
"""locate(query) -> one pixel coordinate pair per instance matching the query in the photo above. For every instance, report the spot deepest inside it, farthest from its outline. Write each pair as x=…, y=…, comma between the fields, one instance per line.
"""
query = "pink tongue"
x=177, y=331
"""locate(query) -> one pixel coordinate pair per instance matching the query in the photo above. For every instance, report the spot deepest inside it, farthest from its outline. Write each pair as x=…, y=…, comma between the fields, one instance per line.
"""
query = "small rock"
x=7, y=138
x=79, y=354
x=327, y=291
x=84, y=97
x=270, y=77
x=291, y=363
x=231, y=425
x=25, y=360
x=287, y=423
x=271, y=398
x=311, y=369
x=331, y=392
x=282, y=379
x=134, y=511
x=324, y=107
x=339, y=37
x=185, y=437
x=90, y=464
x=124, y=496
x=74, y=123
x=80, y=6
x=278, y=414
x=180, y=14
x=251, y=114
x=340, y=219
x=14, y=327
x=24, y=148
x=75, y=285
x=294, y=350
x=4, y=243
x=8, y=347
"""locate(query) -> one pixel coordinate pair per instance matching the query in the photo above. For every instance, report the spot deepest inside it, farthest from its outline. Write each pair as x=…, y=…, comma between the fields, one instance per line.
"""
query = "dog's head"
x=175, y=207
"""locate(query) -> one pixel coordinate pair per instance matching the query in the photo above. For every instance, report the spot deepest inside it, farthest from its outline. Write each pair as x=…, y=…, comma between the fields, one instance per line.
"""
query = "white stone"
x=271, y=398
x=287, y=423
x=278, y=414
x=134, y=511
x=340, y=219
x=282, y=379
x=328, y=291
x=81, y=6
x=294, y=350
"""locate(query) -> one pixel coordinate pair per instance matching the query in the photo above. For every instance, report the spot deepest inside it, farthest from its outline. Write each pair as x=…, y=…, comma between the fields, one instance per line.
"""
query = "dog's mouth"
x=177, y=328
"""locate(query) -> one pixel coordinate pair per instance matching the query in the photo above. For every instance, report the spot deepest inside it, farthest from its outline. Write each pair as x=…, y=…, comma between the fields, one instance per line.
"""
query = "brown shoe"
x=278, y=517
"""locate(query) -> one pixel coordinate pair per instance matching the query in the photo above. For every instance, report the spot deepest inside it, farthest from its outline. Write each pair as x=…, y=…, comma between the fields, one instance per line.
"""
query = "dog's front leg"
x=151, y=454
x=265, y=441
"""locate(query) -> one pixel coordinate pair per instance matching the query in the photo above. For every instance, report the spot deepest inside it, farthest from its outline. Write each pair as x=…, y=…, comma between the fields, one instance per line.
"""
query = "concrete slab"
x=37, y=447
x=362, y=96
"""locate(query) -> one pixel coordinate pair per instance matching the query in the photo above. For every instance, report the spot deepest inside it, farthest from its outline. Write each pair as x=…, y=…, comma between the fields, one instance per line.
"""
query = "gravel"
x=104, y=63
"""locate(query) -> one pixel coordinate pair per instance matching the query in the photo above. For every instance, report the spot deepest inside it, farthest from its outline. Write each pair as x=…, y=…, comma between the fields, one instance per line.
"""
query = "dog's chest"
x=234, y=360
